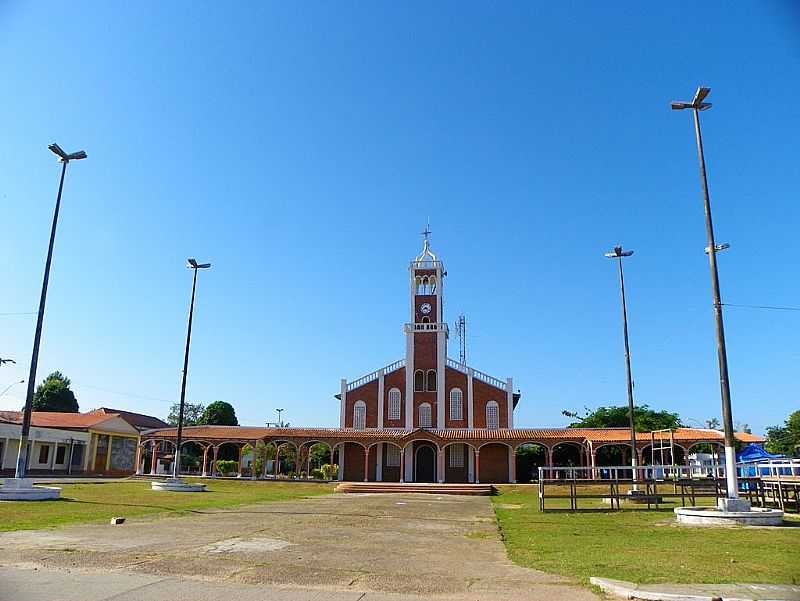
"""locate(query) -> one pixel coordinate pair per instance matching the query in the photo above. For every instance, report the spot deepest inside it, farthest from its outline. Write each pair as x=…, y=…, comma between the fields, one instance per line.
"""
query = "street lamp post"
x=619, y=254
x=10, y=386
x=22, y=457
x=280, y=421
x=193, y=265
x=697, y=105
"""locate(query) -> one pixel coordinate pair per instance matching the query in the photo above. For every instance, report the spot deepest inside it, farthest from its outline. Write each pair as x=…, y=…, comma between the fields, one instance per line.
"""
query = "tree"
x=646, y=419
x=54, y=394
x=713, y=424
x=785, y=439
x=219, y=413
x=192, y=412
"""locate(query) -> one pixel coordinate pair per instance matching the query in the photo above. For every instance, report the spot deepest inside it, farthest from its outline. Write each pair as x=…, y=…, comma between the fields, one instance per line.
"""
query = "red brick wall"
x=493, y=464
x=396, y=379
x=425, y=359
x=367, y=393
x=455, y=379
x=482, y=394
x=390, y=474
x=353, y=462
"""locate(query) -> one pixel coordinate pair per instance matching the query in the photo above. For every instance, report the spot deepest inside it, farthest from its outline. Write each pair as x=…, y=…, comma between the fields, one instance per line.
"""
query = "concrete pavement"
x=698, y=592
x=371, y=547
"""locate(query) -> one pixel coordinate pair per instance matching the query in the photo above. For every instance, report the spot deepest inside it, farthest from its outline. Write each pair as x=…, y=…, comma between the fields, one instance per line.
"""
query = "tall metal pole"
x=628, y=376
x=722, y=355
x=176, y=465
x=22, y=457
x=619, y=254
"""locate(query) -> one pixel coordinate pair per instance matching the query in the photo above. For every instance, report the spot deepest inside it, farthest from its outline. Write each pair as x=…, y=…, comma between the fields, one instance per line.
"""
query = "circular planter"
x=174, y=485
x=24, y=490
x=713, y=516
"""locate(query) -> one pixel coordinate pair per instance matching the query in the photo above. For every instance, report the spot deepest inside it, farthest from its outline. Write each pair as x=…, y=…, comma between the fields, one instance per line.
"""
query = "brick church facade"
x=427, y=391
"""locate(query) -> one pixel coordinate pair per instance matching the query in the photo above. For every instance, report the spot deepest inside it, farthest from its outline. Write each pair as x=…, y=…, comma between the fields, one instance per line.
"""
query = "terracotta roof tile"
x=604, y=435
x=52, y=419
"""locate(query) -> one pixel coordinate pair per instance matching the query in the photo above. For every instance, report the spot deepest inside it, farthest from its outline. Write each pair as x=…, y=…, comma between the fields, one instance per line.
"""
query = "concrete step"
x=416, y=487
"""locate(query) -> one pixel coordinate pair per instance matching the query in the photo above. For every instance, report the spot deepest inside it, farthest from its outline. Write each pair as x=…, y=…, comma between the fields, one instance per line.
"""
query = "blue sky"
x=301, y=148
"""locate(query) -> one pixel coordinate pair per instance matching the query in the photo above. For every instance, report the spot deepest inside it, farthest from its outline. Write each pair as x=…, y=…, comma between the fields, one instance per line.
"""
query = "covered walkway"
x=420, y=455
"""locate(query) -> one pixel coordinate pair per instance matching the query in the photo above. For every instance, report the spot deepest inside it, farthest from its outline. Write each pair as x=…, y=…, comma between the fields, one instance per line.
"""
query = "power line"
x=770, y=307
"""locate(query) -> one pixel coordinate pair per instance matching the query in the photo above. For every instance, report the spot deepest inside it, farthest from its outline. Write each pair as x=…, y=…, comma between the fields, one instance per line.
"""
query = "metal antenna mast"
x=461, y=332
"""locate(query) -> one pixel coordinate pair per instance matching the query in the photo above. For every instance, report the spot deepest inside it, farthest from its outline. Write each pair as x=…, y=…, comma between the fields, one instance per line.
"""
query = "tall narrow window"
x=432, y=380
x=425, y=416
x=456, y=455
x=392, y=456
x=44, y=453
x=394, y=404
x=419, y=380
x=456, y=404
x=492, y=415
x=360, y=415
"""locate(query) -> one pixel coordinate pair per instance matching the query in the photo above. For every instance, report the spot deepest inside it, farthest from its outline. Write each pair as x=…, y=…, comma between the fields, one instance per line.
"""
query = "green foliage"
x=785, y=439
x=318, y=475
x=54, y=394
x=227, y=467
x=645, y=420
x=529, y=457
x=191, y=414
x=330, y=471
x=713, y=424
x=219, y=413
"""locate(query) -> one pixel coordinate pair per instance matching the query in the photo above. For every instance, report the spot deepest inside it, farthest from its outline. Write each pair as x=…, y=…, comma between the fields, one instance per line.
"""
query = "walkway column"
x=379, y=463
x=154, y=459
x=241, y=460
x=205, y=461
x=593, y=459
x=512, y=466
x=308, y=464
x=138, y=460
x=477, y=466
x=366, y=464
x=341, y=461
x=253, y=474
x=214, y=461
x=277, y=462
x=402, y=466
x=440, y=466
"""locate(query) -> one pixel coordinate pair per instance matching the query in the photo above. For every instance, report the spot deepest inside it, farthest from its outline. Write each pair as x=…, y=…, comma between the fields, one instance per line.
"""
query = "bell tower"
x=426, y=341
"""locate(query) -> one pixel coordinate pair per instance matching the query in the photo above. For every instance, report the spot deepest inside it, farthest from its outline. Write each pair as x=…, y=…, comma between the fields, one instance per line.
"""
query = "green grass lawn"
x=641, y=545
x=88, y=502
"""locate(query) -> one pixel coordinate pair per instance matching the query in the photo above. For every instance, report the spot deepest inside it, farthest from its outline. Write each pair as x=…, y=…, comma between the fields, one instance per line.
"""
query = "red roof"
x=53, y=419
x=595, y=435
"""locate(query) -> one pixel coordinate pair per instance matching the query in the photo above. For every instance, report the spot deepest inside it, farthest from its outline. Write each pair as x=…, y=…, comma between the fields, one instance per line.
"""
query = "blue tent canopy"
x=753, y=452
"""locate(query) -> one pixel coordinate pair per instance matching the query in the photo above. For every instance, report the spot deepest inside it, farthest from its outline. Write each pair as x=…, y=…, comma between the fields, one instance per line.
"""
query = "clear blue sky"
x=302, y=148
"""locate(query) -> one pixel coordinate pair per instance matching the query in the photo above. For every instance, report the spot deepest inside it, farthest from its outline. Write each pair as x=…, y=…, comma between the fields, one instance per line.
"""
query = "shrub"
x=318, y=475
x=226, y=466
x=330, y=471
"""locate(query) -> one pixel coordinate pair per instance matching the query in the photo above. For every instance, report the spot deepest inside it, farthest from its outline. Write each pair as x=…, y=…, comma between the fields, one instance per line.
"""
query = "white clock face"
x=425, y=308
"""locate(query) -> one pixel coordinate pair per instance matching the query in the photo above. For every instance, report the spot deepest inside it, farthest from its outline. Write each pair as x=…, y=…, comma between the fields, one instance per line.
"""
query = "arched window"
x=360, y=415
x=425, y=416
x=419, y=380
x=456, y=455
x=426, y=319
x=432, y=380
x=492, y=415
x=394, y=403
x=456, y=404
x=432, y=285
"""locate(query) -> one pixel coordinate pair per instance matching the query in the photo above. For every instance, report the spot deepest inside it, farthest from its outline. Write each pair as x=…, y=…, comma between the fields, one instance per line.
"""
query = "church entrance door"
x=426, y=464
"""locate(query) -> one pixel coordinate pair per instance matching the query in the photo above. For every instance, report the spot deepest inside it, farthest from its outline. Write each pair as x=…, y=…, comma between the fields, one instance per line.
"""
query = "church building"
x=427, y=390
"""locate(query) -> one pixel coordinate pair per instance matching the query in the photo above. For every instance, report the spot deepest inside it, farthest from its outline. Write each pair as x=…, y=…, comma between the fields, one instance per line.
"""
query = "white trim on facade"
x=470, y=400
x=381, y=398
x=510, y=397
x=343, y=407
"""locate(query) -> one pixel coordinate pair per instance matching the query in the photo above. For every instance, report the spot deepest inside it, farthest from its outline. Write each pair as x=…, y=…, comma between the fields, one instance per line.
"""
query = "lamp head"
x=193, y=264
x=63, y=157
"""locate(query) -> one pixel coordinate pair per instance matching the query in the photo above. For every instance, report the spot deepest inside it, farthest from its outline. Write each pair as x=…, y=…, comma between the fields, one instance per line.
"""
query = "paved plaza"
x=366, y=547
